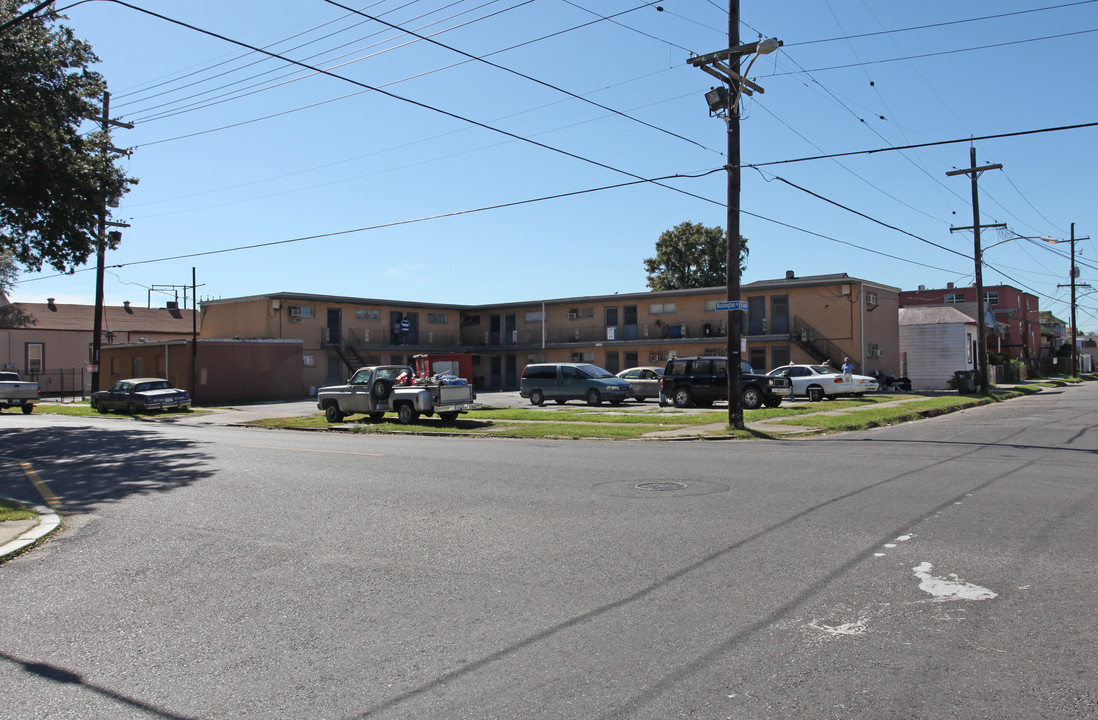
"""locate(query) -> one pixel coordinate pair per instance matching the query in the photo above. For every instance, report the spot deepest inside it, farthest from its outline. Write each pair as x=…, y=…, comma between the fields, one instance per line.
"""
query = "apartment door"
x=756, y=315
x=334, y=330
x=612, y=329
x=779, y=315
x=629, y=322
x=510, y=371
x=510, y=336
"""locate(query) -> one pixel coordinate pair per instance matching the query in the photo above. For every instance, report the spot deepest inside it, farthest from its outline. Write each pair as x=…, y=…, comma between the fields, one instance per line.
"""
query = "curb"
x=48, y=522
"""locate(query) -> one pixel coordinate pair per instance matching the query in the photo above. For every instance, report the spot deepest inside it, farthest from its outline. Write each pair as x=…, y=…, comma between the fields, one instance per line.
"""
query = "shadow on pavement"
x=87, y=467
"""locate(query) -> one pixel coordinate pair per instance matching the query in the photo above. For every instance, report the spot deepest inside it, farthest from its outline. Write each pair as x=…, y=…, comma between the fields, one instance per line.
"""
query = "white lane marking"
x=952, y=588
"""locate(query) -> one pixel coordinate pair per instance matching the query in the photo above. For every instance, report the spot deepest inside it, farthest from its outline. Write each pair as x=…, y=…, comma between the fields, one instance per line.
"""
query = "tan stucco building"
x=790, y=319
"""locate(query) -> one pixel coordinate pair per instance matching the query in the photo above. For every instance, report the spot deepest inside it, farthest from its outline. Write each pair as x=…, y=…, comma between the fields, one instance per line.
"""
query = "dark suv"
x=701, y=380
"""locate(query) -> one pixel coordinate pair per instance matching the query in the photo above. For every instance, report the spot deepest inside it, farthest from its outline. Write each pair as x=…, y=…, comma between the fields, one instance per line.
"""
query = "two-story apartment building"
x=1011, y=316
x=791, y=319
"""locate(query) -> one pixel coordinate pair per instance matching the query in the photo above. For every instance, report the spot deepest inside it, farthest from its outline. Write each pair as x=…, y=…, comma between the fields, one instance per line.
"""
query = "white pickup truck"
x=14, y=392
x=377, y=390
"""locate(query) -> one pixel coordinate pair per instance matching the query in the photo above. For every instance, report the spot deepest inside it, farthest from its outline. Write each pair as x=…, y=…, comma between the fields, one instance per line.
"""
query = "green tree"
x=53, y=179
x=690, y=255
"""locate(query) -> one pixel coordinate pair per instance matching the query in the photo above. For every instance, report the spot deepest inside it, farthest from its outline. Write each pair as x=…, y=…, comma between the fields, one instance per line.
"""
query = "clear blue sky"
x=234, y=148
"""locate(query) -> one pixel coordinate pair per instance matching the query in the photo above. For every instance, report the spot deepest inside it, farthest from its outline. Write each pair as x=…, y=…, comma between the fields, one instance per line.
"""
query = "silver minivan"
x=561, y=382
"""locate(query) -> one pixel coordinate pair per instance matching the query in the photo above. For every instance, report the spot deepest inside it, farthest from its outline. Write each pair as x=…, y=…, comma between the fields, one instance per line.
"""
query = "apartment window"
x=661, y=308
x=579, y=313
x=367, y=314
x=870, y=297
x=309, y=360
x=437, y=318
x=954, y=298
x=586, y=357
x=536, y=316
x=470, y=320
x=991, y=298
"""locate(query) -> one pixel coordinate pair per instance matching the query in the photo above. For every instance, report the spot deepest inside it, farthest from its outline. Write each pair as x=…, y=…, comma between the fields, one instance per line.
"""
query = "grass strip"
x=11, y=510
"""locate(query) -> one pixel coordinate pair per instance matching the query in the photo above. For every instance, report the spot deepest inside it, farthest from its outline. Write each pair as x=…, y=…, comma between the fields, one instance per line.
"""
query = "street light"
x=724, y=65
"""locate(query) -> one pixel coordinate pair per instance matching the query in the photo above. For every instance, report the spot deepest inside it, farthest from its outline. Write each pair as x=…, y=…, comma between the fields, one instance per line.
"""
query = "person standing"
x=405, y=326
x=848, y=369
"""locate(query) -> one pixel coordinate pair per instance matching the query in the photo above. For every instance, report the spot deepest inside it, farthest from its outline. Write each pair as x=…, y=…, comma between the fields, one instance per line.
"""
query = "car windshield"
x=155, y=385
x=594, y=371
x=824, y=370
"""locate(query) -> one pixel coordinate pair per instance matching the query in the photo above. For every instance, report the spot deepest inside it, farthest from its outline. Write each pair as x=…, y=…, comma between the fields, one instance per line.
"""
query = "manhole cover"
x=662, y=486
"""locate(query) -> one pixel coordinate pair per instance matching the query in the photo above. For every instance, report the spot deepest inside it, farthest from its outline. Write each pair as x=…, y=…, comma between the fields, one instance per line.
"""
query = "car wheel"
x=28, y=409
x=537, y=398
x=406, y=414
x=332, y=414
x=377, y=417
x=448, y=417
x=815, y=394
x=593, y=397
x=131, y=408
x=752, y=398
x=682, y=397
x=102, y=410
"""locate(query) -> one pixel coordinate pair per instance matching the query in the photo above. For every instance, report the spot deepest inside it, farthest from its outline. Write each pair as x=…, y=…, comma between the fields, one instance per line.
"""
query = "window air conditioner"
x=573, y=316
x=295, y=311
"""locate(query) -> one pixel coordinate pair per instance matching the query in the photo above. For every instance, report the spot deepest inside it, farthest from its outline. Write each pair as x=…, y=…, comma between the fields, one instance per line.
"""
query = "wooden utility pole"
x=101, y=243
x=725, y=66
x=981, y=344
x=732, y=249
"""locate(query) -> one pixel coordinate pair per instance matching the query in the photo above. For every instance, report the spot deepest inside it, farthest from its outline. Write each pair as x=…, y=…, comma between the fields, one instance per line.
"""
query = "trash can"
x=965, y=381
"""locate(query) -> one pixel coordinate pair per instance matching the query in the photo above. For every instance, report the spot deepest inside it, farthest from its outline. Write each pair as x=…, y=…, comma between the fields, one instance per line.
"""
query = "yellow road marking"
x=40, y=485
x=330, y=452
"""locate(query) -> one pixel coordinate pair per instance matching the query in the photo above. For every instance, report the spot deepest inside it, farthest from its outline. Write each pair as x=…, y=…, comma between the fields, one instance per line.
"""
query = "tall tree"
x=54, y=180
x=690, y=255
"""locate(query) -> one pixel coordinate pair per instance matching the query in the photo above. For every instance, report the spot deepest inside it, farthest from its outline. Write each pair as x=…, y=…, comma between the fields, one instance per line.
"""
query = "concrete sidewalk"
x=18, y=535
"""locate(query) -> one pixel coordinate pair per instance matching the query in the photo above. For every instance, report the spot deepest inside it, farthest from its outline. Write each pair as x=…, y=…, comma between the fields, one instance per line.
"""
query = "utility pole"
x=981, y=344
x=725, y=66
x=101, y=242
x=1074, y=276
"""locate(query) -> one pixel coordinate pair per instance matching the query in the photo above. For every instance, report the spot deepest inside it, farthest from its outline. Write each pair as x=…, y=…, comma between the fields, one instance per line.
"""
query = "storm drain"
x=661, y=486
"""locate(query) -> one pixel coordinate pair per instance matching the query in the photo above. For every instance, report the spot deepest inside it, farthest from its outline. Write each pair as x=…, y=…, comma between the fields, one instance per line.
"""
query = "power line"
x=937, y=25
x=936, y=143
x=947, y=52
x=394, y=96
x=520, y=74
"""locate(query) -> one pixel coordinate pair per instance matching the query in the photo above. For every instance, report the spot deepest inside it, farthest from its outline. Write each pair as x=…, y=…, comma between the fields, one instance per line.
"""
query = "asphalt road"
x=940, y=569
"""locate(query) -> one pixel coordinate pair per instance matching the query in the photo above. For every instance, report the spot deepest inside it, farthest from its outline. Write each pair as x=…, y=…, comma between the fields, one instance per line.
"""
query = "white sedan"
x=645, y=381
x=818, y=381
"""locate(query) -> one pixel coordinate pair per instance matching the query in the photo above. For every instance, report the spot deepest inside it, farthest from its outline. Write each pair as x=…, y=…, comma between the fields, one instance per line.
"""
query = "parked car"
x=646, y=381
x=561, y=382
x=701, y=380
x=819, y=381
x=140, y=395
